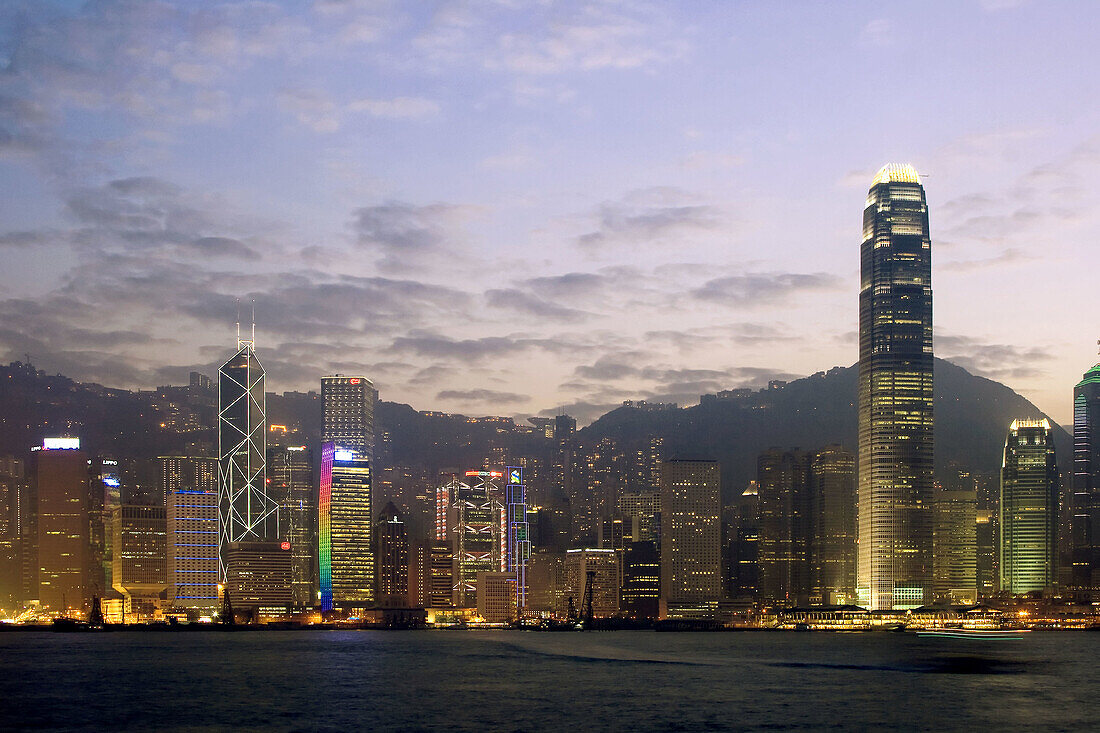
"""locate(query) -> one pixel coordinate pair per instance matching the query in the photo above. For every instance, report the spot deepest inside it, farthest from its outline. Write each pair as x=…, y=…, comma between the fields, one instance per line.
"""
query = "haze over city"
x=509, y=208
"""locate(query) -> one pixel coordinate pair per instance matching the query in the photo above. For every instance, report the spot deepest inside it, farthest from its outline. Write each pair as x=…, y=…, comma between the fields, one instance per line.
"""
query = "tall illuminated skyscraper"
x=1085, y=522
x=1029, y=508
x=691, y=538
x=478, y=536
x=62, y=510
x=347, y=567
x=290, y=476
x=347, y=405
x=895, y=394
x=246, y=511
x=517, y=540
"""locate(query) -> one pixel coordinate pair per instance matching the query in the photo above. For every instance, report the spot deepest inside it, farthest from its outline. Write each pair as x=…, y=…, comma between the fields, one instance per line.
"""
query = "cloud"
x=523, y=302
x=404, y=234
x=312, y=108
x=431, y=345
x=482, y=395
x=763, y=288
x=878, y=32
x=399, y=108
x=1012, y=255
x=994, y=361
x=657, y=214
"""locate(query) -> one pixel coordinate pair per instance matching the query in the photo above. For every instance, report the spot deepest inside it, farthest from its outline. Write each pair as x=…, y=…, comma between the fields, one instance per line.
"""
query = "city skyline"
x=505, y=250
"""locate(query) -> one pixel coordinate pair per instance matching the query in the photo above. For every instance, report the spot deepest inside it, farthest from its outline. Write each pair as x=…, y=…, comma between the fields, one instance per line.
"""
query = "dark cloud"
x=569, y=285
x=762, y=288
x=518, y=300
x=994, y=361
x=432, y=345
x=403, y=234
x=655, y=214
x=482, y=395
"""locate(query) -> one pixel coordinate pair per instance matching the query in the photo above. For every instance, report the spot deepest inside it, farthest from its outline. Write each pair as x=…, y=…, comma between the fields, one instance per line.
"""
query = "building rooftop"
x=896, y=173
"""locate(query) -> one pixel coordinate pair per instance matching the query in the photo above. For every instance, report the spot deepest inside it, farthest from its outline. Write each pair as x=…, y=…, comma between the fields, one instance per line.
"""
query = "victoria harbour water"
x=526, y=681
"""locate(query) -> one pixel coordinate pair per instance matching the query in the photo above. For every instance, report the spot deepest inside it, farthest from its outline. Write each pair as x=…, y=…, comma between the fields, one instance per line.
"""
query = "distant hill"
x=972, y=416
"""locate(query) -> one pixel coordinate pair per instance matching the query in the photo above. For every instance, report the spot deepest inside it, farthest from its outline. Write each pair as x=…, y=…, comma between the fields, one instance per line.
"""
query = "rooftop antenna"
x=253, y=323
x=238, y=324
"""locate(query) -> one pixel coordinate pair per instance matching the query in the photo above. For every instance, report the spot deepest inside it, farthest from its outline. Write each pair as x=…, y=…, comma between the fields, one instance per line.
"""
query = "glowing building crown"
x=896, y=173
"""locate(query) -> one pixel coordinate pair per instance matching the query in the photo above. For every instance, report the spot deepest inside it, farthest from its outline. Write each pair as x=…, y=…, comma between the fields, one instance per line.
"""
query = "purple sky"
x=508, y=207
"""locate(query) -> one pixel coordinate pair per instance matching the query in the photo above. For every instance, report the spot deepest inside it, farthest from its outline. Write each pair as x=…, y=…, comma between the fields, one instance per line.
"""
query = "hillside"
x=972, y=416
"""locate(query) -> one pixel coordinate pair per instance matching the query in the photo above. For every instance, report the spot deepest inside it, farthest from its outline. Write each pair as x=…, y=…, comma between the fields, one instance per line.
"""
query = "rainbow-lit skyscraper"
x=346, y=532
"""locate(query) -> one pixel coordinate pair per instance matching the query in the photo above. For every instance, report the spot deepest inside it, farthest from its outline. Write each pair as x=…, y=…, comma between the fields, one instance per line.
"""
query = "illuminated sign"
x=278, y=428
x=296, y=448
x=111, y=481
x=285, y=546
x=353, y=380
x=108, y=462
x=61, y=444
x=514, y=476
x=490, y=474
x=344, y=455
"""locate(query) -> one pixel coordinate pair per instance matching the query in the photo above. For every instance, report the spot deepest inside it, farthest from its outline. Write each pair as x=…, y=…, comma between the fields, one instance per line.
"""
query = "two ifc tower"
x=895, y=407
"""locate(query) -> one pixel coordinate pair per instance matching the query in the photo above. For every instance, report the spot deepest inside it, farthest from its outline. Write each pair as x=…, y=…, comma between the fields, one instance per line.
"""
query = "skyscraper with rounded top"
x=895, y=394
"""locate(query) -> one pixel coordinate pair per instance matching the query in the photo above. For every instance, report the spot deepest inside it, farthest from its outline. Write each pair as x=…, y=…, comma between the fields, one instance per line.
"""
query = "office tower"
x=441, y=582
x=420, y=574
x=783, y=483
x=62, y=511
x=104, y=495
x=641, y=592
x=613, y=534
x=13, y=493
x=895, y=394
x=392, y=557
x=605, y=584
x=833, y=526
x=955, y=546
x=477, y=533
x=247, y=513
x=985, y=556
x=190, y=473
x=517, y=538
x=1029, y=508
x=347, y=569
x=691, y=538
x=496, y=596
x=643, y=512
x=290, y=476
x=745, y=580
x=445, y=494
x=347, y=405
x=1085, y=522
x=258, y=579
x=546, y=582
x=139, y=558
x=192, y=545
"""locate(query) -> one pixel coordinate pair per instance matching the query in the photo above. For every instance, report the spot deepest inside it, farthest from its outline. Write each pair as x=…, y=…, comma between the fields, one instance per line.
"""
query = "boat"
x=974, y=634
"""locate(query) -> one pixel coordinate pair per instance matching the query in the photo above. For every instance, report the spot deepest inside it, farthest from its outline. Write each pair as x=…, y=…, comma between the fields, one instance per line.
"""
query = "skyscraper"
x=347, y=405
x=833, y=526
x=290, y=474
x=605, y=583
x=346, y=530
x=895, y=394
x=1029, y=508
x=247, y=513
x=955, y=540
x=1085, y=522
x=517, y=541
x=62, y=478
x=691, y=538
x=477, y=533
x=783, y=483
x=392, y=557
x=139, y=558
x=193, y=548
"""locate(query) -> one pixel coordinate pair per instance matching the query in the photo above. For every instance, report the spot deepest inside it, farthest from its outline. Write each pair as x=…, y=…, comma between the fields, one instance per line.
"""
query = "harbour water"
x=528, y=681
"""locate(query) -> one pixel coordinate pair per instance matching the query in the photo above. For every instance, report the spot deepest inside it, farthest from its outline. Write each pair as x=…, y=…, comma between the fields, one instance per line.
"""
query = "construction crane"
x=586, y=604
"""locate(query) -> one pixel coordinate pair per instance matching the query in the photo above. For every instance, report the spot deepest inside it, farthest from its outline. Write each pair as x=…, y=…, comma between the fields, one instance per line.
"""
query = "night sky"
x=512, y=207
